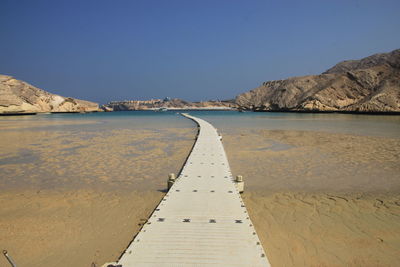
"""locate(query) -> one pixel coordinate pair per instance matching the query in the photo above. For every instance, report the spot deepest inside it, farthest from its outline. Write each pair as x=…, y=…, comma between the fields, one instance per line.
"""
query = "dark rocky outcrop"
x=370, y=85
x=20, y=97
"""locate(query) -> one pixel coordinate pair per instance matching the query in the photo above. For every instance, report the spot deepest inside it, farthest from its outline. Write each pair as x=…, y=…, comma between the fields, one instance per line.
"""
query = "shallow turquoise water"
x=34, y=148
x=370, y=125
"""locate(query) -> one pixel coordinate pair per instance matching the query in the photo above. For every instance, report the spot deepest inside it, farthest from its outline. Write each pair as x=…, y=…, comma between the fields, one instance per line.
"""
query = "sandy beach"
x=71, y=198
x=321, y=199
x=71, y=228
x=75, y=198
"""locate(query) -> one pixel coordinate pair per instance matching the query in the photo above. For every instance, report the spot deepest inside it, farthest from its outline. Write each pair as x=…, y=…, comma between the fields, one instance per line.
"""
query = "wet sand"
x=71, y=228
x=322, y=229
x=321, y=199
x=70, y=198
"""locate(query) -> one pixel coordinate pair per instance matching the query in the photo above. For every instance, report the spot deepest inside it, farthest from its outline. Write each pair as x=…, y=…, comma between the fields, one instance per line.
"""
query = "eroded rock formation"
x=371, y=84
x=20, y=97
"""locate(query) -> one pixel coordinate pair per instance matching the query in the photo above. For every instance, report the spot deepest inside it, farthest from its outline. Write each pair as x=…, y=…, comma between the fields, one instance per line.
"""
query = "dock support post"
x=239, y=183
x=171, y=180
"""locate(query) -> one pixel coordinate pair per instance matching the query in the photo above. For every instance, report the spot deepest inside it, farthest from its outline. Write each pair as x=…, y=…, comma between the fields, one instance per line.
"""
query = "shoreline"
x=396, y=113
x=377, y=113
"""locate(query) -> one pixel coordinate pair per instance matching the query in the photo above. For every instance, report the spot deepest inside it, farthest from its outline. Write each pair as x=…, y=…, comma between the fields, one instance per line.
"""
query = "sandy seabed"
x=321, y=199
x=315, y=198
x=73, y=198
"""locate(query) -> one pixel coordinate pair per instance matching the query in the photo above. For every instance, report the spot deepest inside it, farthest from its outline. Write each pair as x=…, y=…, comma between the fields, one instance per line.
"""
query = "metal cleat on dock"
x=171, y=180
x=239, y=183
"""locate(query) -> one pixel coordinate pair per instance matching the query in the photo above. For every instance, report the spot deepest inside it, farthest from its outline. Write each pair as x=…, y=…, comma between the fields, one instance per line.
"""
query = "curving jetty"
x=202, y=220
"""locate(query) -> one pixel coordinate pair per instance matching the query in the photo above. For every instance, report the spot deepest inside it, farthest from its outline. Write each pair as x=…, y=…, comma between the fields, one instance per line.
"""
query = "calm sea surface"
x=370, y=125
x=136, y=149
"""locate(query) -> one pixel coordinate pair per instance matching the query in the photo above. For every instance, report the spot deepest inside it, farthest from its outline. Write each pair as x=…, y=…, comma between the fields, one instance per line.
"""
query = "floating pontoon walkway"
x=202, y=220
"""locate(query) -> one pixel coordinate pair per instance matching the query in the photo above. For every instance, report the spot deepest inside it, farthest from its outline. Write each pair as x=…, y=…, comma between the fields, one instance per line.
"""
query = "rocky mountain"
x=174, y=103
x=371, y=84
x=20, y=97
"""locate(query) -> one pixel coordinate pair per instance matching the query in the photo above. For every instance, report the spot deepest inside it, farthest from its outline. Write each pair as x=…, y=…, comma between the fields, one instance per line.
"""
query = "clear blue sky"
x=196, y=50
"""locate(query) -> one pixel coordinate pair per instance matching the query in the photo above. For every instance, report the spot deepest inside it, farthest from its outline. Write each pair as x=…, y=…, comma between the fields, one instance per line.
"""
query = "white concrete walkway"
x=202, y=220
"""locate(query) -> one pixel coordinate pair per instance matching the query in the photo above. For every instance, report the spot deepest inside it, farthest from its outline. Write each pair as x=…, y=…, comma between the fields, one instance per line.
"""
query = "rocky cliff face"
x=19, y=97
x=371, y=84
